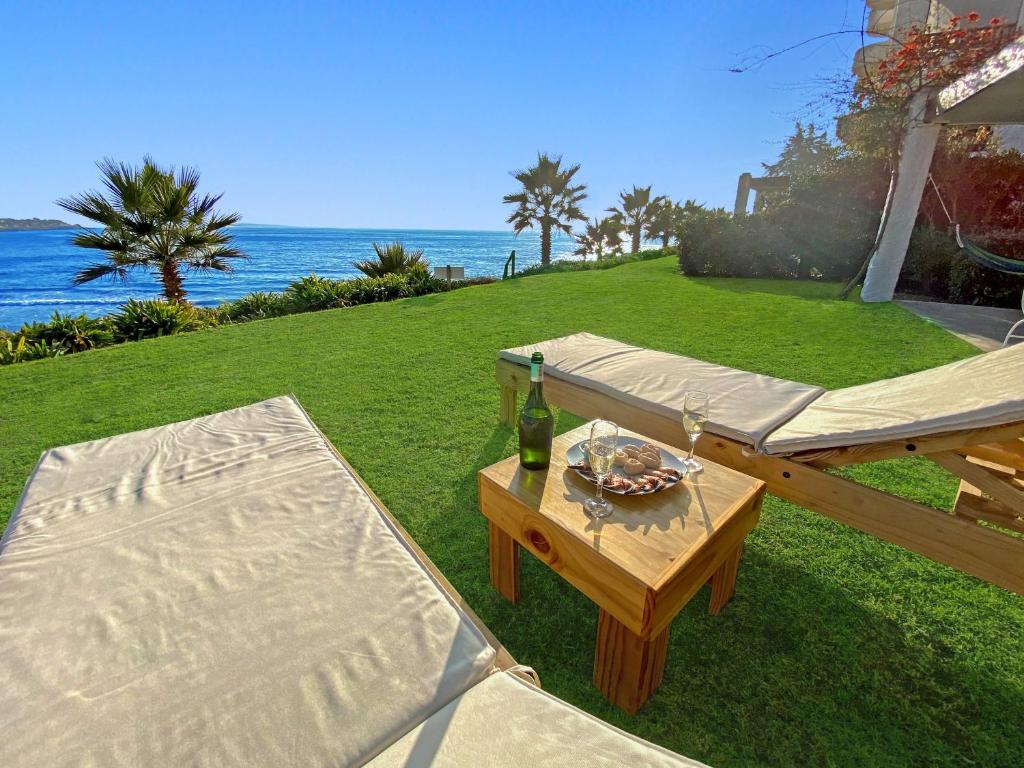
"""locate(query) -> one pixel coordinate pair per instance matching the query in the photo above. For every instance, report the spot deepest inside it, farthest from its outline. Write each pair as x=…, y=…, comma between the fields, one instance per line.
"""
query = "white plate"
x=576, y=456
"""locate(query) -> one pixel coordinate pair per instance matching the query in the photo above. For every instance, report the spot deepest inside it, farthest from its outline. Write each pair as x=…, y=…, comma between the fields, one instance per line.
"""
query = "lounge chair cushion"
x=744, y=406
x=505, y=721
x=982, y=391
x=217, y=592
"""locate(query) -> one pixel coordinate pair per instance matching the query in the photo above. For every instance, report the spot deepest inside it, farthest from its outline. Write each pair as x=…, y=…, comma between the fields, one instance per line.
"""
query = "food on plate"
x=633, y=466
x=651, y=460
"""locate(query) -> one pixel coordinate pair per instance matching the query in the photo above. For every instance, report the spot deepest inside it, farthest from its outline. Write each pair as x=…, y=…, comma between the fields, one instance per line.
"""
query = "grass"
x=837, y=650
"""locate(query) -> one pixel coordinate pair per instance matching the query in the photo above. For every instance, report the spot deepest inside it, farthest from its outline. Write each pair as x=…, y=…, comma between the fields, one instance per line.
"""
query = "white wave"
x=32, y=302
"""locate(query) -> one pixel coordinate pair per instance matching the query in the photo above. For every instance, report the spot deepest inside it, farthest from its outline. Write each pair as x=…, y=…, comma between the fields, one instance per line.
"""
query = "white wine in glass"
x=695, y=415
x=604, y=439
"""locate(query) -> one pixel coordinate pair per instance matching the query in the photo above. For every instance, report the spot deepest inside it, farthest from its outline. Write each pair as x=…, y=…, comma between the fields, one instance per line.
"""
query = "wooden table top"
x=651, y=537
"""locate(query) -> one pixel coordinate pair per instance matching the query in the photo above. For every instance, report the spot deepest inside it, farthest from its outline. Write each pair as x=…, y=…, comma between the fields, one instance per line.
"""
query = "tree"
x=153, y=220
x=598, y=235
x=391, y=259
x=806, y=151
x=548, y=199
x=635, y=211
x=663, y=222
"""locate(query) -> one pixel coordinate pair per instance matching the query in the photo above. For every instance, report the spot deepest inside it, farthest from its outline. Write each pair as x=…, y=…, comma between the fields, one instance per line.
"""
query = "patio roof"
x=991, y=94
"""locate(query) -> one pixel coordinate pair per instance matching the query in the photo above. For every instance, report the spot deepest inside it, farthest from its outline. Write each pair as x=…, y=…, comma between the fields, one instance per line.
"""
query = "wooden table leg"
x=723, y=581
x=504, y=555
x=627, y=667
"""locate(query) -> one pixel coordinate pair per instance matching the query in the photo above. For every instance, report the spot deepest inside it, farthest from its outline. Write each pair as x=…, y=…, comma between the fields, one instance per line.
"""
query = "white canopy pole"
x=914, y=161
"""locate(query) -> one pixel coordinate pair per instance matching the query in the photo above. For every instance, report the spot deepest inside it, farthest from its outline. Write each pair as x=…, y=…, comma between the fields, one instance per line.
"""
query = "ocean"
x=36, y=267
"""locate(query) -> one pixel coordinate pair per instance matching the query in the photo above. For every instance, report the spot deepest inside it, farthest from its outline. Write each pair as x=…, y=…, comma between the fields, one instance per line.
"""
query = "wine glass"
x=604, y=439
x=695, y=414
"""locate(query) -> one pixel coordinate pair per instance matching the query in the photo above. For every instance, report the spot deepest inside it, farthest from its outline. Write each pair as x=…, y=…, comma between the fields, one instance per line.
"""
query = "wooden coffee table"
x=641, y=565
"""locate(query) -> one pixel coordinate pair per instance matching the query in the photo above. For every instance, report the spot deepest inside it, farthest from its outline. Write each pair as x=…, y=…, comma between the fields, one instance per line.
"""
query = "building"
x=991, y=94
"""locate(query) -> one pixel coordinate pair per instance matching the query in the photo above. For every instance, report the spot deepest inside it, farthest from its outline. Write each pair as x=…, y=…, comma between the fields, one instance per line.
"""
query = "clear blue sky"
x=402, y=114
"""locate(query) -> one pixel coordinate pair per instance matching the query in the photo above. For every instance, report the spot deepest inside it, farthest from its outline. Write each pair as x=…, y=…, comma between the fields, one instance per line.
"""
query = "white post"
x=911, y=175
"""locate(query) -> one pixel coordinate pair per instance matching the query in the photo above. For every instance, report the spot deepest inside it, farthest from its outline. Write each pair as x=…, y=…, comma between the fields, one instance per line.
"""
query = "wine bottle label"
x=536, y=372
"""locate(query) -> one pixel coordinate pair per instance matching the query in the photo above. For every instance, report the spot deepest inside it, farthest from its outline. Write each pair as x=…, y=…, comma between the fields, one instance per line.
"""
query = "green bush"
x=936, y=268
x=390, y=259
x=254, y=306
x=12, y=348
x=928, y=265
x=579, y=265
x=367, y=290
x=151, y=318
x=743, y=246
x=62, y=334
x=314, y=293
x=421, y=282
x=483, y=280
x=75, y=333
x=15, y=348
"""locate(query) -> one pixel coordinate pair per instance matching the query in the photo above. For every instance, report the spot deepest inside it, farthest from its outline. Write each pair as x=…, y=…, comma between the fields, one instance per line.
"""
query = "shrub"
x=390, y=259
x=484, y=280
x=147, y=319
x=12, y=348
x=579, y=265
x=254, y=306
x=15, y=348
x=744, y=246
x=367, y=290
x=926, y=270
x=151, y=318
x=422, y=282
x=935, y=267
x=313, y=293
x=75, y=333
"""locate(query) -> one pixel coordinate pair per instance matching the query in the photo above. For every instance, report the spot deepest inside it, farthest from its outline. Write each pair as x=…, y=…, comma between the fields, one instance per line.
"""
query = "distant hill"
x=12, y=225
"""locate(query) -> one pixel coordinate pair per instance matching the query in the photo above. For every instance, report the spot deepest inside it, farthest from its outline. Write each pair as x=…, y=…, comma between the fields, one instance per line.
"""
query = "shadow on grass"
x=808, y=290
x=794, y=671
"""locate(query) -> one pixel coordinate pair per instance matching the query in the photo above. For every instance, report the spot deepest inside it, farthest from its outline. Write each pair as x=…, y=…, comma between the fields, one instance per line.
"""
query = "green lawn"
x=837, y=650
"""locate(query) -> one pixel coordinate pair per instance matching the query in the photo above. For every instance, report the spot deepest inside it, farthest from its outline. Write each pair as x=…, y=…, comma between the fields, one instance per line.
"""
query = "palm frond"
x=153, y=218
x=102, y=269
x=547, y=198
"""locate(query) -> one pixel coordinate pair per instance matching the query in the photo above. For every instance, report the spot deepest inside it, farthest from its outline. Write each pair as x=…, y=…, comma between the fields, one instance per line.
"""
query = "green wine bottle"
x=536, y=423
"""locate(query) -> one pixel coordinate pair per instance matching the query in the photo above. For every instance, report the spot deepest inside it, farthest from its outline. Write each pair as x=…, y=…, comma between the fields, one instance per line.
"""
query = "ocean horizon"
x=37, y=266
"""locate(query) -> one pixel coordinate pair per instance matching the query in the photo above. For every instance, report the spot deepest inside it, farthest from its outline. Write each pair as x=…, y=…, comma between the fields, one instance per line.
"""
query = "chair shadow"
x=769, y=672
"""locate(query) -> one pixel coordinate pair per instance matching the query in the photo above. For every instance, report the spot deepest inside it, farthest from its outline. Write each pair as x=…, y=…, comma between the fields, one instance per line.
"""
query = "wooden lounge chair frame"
x=983, y=536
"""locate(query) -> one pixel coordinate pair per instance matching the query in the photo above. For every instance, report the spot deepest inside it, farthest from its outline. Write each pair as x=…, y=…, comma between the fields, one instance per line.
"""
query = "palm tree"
x=663, y=221
x=153, y=220
x=598, y=235
x=635, y=211
x=391, y=259
x=548, y=199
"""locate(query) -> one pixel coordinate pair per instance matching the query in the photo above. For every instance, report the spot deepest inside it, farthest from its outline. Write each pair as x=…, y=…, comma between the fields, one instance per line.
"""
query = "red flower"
x=994, y=22
x=954, y=21
x=973, y=16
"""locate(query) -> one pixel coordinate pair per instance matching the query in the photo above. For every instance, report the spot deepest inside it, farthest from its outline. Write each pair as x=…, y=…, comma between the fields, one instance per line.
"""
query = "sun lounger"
x=226, y=591
x=967, y=416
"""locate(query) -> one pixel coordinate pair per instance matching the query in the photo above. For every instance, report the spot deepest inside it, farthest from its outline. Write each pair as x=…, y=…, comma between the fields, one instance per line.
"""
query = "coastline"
x=37, y=266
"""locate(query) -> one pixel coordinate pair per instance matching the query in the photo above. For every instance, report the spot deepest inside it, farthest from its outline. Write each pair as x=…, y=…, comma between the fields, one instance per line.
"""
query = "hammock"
x=975, y=252
x=984, y=258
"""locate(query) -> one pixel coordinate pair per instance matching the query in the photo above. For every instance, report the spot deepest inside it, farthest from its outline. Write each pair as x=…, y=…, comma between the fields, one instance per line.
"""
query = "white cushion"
x=982, y=391
x=505, y=722
x=744, y=406
x=216, y=592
